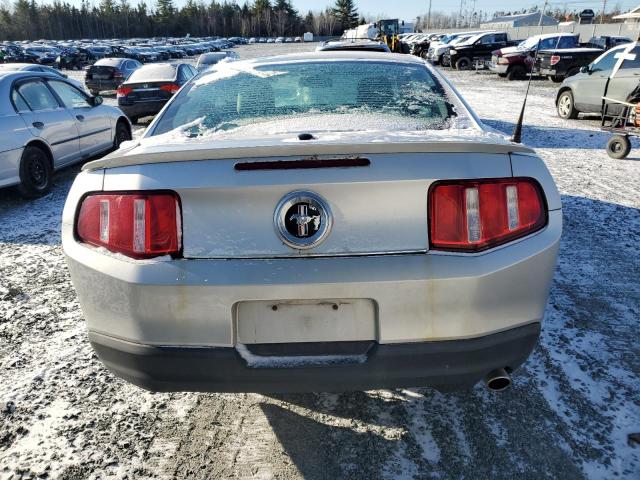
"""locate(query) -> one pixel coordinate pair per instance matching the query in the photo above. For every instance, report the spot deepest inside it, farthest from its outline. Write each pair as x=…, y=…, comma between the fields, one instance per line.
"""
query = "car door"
x=627, y=78
x=47, y=119
x=488, y=44
x=94, y=127
x=589, y=89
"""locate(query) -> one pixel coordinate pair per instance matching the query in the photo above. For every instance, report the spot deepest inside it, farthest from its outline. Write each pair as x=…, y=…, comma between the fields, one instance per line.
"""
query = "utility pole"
x=604, y=5
x=460, y=14
x=544, y=9
x=429, y=17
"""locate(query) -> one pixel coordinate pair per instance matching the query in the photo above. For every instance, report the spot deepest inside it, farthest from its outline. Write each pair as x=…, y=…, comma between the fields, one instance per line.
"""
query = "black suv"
x=477, y=49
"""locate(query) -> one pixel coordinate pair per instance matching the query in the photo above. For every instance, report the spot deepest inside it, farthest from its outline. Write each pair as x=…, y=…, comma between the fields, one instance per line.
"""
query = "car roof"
x=553, y=35
x=334, y=55
x=108, y=62
x=14, y=74
x=16, y=66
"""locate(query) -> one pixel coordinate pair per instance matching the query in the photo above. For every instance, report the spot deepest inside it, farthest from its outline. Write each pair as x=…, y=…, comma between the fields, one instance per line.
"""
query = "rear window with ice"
x=339, y=95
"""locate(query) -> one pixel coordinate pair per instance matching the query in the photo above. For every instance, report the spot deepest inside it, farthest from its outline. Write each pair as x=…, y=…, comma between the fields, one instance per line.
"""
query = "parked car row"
x=74, y=54
x=605, y=65
x=275, y=40
x=556, y=55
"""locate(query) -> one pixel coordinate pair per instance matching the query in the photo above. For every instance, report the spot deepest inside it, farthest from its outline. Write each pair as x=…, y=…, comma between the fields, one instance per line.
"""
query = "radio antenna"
x=517, y=131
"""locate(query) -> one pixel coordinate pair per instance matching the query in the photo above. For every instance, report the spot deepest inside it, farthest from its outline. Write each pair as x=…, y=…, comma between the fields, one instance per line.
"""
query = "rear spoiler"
x=306, y=150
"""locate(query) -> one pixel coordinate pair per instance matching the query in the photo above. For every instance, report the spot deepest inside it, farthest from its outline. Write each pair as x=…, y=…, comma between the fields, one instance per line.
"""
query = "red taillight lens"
x=138, y=225
x=124, y=91
x=171, y=88
x=555, y=59
x=480, y=214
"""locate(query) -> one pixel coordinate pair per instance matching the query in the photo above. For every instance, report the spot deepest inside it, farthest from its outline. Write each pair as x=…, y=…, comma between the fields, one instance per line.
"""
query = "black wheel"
x=618, y=146
x=134, y=120
x=556, y=79
x=36, y=173
x=122, y=134
x=517, y=72
x=566, y=108
x=502, y=75
x=463, y=63
x=424, y=54
x=95, y=93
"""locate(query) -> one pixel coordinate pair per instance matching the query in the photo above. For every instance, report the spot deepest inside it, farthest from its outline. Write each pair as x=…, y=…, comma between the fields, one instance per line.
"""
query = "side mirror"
x=96, y=101
x=584, y=69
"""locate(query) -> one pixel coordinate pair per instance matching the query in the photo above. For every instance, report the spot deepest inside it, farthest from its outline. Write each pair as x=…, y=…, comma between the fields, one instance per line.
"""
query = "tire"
x=134, y=120
x=565, y=107
x=618, y=146
x=122, y=134
x=517, y=72
x=463, y=63
x=556, y=78
x=36, y=173
x=502, y=75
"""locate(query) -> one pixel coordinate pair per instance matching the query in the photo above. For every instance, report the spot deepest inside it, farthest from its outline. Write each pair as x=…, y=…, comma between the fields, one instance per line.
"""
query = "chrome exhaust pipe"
x=498, y=380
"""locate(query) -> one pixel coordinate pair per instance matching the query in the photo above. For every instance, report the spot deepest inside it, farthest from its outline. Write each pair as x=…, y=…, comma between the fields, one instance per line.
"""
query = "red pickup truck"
x=515, y=62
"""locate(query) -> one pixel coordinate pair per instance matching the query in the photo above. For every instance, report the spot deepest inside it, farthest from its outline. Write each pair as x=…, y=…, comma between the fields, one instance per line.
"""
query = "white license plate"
x=292, y=321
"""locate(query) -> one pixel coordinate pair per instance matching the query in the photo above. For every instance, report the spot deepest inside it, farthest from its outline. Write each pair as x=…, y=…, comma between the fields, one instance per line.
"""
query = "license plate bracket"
x=292, y=321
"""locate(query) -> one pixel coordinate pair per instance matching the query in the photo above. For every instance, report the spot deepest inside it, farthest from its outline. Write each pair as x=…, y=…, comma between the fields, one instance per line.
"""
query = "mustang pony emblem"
x=302, y=219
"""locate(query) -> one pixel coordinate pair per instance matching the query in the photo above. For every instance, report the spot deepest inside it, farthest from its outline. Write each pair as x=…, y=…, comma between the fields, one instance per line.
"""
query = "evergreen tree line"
x=60, y=20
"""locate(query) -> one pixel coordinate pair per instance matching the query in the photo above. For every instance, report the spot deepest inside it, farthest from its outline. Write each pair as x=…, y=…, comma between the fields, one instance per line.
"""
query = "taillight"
x=123, y=91
x=474, y=215
x=555, y=59
x=138, y=225
x=171, y=88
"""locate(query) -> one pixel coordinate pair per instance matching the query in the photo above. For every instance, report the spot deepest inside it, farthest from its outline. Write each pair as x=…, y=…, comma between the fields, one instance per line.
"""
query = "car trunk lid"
x=102, y=72
x=375, y=193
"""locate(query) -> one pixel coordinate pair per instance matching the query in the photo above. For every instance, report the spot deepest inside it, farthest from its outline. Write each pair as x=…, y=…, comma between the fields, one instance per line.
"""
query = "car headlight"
x=503, y=61
x=452, y=51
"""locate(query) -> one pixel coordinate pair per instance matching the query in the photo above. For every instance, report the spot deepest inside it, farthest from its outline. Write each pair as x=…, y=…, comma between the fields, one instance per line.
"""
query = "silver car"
x=583, y=92
x=46, y=123
x=321, y=221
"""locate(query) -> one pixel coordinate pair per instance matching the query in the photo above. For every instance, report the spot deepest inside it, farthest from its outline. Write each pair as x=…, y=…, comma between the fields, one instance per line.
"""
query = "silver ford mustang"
x=326, y=221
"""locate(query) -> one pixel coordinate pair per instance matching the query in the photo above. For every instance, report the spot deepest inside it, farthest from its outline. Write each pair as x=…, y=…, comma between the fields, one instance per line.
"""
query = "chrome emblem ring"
x=302, y=219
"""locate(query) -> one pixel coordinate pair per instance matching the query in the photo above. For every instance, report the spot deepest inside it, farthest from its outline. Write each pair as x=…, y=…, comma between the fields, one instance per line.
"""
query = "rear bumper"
x=102, y=85
x=446, y=365
x=417, y=297
x=141, y=109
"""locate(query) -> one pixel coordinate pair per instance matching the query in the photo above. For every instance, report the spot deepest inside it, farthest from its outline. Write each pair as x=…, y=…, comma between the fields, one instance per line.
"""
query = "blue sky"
x=409, y=9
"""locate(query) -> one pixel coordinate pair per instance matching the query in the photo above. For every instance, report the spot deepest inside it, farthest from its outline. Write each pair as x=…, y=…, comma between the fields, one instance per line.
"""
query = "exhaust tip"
x=498, y=380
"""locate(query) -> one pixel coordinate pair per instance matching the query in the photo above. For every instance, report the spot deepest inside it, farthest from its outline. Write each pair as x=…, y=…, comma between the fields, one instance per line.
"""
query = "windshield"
x=460, y=40
x=232, y=95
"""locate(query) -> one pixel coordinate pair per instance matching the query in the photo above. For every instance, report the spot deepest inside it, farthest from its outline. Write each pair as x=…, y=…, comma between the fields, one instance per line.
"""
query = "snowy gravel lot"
x=569, y=413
